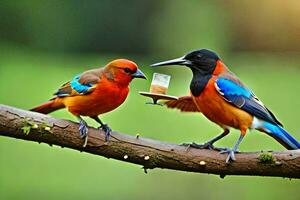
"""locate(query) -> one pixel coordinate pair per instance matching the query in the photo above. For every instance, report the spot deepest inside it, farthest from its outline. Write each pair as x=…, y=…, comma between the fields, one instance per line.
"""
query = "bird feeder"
x=158, y=89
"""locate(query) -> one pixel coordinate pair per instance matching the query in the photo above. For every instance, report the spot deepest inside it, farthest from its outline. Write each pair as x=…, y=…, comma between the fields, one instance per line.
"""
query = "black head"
x=203, y=61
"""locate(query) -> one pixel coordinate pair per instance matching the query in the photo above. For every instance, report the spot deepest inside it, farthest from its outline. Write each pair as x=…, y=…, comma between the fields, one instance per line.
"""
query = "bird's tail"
x=48, y=107
x=281, y=135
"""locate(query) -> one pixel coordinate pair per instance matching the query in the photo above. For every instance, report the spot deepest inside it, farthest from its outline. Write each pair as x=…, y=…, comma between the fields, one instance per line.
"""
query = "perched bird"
x=94, y=92
x=220, y=96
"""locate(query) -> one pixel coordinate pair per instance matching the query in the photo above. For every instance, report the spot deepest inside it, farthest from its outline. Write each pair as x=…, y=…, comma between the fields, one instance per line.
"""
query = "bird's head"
x=203, y=61
x=123, y=71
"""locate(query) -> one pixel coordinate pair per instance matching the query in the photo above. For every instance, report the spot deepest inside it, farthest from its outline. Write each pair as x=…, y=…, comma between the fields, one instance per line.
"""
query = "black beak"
x=138, y=74
x=177, y=61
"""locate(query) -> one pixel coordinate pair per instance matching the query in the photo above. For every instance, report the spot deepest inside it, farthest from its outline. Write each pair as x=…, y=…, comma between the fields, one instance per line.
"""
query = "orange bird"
x=224, y=99
x=94, y=92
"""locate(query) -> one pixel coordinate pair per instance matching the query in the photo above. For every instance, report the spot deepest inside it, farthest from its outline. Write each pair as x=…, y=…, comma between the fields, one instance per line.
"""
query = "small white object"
x=125, y=157
x=47, y=128
x=35, y=126
x=256, y=123
x=146, y=158
x=202, y=162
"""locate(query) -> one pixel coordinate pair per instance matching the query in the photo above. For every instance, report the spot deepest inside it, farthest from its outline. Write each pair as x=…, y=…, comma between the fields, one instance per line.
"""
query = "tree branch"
x=149, y=153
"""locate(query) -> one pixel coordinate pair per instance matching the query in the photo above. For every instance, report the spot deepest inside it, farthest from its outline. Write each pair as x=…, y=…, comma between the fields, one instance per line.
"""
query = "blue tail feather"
x=281, y=136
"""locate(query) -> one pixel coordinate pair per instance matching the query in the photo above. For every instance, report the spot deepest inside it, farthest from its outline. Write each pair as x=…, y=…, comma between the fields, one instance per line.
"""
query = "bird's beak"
x=177, y=61
x=138, y=74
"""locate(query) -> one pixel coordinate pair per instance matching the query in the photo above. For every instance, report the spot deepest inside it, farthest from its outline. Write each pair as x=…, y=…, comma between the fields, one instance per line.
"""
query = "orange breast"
x=106, y=97
x=218, y=110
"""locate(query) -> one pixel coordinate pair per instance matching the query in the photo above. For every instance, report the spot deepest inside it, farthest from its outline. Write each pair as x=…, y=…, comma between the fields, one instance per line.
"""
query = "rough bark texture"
x=149, y=153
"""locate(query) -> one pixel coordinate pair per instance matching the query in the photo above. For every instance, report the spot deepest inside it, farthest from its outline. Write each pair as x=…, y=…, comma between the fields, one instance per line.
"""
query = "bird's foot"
x=107, y=131
x=207, y=145
x=199, y=146
x=231, y=154
x=83, y=131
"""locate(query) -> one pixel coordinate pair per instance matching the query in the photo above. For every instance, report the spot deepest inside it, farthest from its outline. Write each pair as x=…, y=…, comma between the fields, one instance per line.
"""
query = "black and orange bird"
x=94, y=92
x=221, y=96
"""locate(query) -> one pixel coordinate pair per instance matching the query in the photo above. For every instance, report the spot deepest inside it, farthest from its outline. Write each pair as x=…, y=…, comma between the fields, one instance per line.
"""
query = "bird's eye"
x=127, y=70
x=198, y=56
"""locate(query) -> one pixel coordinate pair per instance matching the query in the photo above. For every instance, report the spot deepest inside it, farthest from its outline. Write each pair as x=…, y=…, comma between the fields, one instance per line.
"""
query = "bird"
x=220, y=96
x=94, y=92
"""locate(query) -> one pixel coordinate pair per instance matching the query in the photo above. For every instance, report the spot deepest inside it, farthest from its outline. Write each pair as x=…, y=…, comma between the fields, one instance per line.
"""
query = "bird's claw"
x=199, y=146
x=206, y=145
x=231, y=154
x=107, y=131
x=83, y=130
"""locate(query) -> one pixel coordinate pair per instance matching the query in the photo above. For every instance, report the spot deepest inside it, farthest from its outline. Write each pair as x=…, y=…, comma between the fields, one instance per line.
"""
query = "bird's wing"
x=184, y=104
x=240, y=96
x=80, y=85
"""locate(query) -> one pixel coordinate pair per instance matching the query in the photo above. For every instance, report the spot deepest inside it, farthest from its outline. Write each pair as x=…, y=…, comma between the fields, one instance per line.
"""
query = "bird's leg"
x=104, y=127
x=209, y=144
x=83, y=130
x=231, y=152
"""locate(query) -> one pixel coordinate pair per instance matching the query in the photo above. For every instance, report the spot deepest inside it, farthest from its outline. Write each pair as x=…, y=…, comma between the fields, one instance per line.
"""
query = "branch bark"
x=149, y=153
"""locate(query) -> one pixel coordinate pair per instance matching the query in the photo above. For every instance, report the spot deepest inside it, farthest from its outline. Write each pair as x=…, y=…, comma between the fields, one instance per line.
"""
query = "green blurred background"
x=45, y=43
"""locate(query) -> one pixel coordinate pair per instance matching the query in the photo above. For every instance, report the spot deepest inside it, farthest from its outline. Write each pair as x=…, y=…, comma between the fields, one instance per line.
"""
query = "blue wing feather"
x=74, y=87
x=243, y=98
x=230, y=88
x=80, y=88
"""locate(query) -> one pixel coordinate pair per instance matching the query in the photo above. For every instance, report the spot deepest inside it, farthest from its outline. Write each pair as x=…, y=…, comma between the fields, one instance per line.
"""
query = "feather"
x=79, y=87
x=184, y=104
x=281, y=135
x=243, y=98
x=80, y=84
